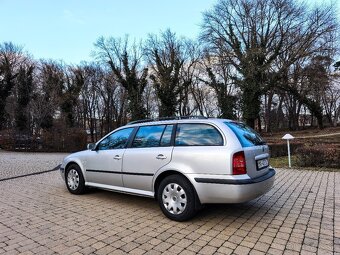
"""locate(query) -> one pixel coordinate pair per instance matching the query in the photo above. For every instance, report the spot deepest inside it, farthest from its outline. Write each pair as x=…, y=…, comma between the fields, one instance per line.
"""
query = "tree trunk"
x=268, y=110
x=251, y=106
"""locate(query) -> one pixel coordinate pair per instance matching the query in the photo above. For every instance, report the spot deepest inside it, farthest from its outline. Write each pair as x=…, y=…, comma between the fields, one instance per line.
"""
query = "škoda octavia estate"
x=183, y=163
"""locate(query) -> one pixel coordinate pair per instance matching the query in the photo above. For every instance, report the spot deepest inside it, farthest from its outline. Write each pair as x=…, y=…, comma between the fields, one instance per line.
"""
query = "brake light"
x=239, y=163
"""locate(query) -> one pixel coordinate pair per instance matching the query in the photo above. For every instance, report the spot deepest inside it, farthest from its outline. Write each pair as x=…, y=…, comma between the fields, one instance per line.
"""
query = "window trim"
x=200, y=123
x=173, y=135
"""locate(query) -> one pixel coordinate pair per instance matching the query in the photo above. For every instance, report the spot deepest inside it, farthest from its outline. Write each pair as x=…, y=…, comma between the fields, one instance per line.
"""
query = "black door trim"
x=116, y=172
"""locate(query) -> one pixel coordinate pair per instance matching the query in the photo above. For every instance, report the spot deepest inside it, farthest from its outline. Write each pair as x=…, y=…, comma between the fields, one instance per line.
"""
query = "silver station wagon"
x=183, y=163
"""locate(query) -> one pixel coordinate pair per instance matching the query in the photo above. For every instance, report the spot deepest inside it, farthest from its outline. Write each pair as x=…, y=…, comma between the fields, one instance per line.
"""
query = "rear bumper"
x=226, y=190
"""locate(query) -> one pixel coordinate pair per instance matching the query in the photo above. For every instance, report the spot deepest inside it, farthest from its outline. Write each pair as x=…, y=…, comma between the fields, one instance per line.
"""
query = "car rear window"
x=197, y=135
x=247, y=136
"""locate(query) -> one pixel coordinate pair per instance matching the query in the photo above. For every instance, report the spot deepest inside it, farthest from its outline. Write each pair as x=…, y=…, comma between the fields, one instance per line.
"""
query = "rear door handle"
x=160, y=156
x=117, y=157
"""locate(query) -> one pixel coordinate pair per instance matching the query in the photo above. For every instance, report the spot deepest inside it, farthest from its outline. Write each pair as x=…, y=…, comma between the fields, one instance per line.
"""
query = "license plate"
x=262, y=163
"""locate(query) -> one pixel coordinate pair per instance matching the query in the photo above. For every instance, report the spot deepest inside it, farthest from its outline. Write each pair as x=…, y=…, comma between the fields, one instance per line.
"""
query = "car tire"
x=176, y=197
x=74, y=180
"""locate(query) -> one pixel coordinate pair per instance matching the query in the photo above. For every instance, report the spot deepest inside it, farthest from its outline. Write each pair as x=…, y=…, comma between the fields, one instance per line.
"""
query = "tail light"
x=239, y=163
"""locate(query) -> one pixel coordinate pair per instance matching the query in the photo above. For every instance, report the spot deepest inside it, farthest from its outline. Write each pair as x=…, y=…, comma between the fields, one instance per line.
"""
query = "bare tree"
x=205, y=99
x=166, y=58
x=11, y=58
x=330, y=97
x=217, y=75
x=74, y=82
x=24, y=90
x=337, y=65
x=188, y=77
x=251, y=35
x=89, y=98
x=47, y=95
x=102, y=101
x=117, y=105
x=125, y=62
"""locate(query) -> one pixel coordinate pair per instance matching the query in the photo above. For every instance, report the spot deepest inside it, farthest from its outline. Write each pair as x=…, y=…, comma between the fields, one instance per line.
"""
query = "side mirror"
x=91, y=146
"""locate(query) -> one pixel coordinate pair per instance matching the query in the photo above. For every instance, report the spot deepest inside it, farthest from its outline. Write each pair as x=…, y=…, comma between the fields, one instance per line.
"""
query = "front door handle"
x=160, y=156
x=117, y=157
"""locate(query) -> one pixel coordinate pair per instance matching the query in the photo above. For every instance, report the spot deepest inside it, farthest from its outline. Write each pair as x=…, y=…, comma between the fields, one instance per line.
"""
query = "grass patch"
x=282, y=162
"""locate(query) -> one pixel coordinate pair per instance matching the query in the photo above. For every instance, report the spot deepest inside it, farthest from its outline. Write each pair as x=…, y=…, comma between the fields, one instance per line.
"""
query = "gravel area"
x=14, y=164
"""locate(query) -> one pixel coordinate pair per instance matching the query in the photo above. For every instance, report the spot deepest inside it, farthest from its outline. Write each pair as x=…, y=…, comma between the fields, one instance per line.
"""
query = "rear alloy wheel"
x=74, y=180
x=176, y=198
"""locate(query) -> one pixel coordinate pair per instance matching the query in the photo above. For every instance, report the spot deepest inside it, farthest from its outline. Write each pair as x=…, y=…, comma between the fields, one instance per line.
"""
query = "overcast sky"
x=67, y=29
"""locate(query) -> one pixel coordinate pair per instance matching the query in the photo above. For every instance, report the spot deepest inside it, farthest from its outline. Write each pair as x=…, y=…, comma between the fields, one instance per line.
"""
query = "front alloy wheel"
x=74, y=180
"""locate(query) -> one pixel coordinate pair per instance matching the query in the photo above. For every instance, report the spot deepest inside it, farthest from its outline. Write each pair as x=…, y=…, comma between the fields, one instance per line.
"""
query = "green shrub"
x=318, y=155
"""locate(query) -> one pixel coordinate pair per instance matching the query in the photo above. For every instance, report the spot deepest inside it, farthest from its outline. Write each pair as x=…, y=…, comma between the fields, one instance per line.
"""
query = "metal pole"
x=289, y=153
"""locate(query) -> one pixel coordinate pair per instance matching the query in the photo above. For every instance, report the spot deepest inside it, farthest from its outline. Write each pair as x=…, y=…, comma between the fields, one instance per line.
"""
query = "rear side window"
x=247, y=136
x=152, y=136
x=197, y=135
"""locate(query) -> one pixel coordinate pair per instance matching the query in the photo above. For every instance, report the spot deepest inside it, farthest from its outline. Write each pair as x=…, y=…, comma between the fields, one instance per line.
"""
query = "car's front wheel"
x=176, y=198
x=75, y=180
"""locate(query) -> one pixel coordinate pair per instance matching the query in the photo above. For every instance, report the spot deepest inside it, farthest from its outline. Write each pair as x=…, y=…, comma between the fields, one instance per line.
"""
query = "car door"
x=150, y=150
x=104, y=163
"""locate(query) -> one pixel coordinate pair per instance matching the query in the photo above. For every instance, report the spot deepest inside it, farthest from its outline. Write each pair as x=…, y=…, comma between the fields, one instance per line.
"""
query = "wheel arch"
x=167, y=173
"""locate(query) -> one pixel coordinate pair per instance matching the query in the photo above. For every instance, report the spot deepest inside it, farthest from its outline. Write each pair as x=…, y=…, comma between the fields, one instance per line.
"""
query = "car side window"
x=148, y=136
x=116, y=140
x=197, y=135
x=166, y=137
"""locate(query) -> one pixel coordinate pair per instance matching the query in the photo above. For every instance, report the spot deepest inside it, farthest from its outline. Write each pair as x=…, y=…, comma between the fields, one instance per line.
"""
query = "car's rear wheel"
x=75, y=180
x=176, y=198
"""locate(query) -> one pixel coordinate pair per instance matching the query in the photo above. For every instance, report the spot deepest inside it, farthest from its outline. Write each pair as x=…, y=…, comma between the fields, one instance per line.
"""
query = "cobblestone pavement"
x=22, y=163
x=301, y=214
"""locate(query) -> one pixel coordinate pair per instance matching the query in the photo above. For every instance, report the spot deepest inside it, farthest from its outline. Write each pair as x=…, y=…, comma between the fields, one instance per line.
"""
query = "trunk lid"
x=255, y=149
x=257, y=160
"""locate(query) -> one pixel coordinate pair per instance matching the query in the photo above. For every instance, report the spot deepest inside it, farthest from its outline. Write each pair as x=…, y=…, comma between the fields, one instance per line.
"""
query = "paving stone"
x=300, y=215
x=207, y=250
x=241, y=250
